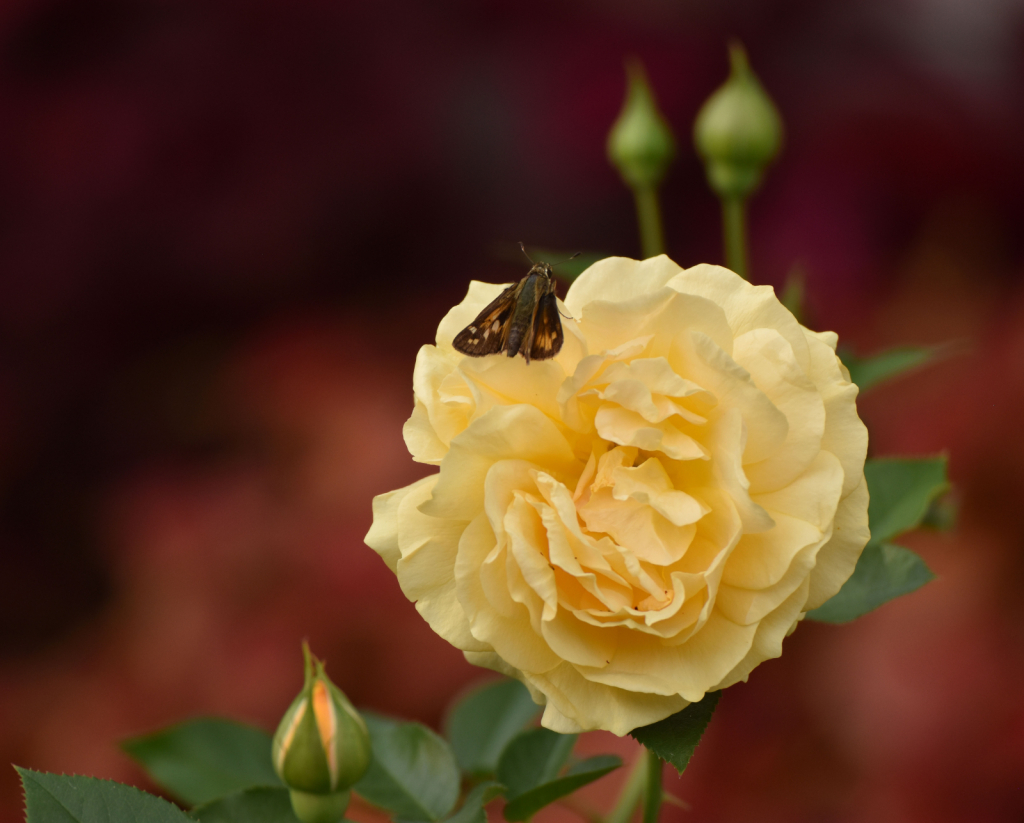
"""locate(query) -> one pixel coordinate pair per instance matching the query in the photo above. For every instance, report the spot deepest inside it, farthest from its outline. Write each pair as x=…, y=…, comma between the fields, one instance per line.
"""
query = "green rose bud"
x=640, y=144
x=321, y=747
x=738, y=131
x=319, y=808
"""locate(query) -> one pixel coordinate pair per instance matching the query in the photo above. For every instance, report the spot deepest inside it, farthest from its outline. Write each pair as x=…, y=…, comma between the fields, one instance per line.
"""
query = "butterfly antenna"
x=523, y=247
x=567, y=259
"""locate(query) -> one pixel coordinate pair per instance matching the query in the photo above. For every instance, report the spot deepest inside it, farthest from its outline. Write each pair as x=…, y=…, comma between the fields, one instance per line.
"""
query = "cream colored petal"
x=528, y=548
x=598, y=590
x=619, y=278
x=746, y=306
x=577, y=554
x=746, y=606
x=676, y=622
x=421, y=438
x=812, y=497
x=428, y=545
x=637, y=528
x=574, y=347
x=725, y=442
x=505, y=629
x=650, y=484
x=442, y=612
x=662, y=318
x=561, y=506
x=575, y=704
x=505, y=432
x=504, y=480
x=383, y=534
x=609, y=463
x=576, y=397
x=845, y=435
x=610, y=327
x=713, y=368
x=447, y=404
x=426, y=570
x=771, y=631
x=688, y=670
x=829, y=338
x=657, y=375
x=633, y=394
x=503, y=381
x=577, y=642
x=627, y=428
x=837, y=559
x=769, y=359
x=760, y=560
x=718, y=533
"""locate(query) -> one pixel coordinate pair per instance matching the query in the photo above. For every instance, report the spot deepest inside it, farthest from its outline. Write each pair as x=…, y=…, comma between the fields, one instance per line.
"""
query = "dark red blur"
x=226, y=228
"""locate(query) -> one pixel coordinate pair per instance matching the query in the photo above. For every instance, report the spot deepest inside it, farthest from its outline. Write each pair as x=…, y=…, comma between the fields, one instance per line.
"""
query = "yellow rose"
x=643, y=518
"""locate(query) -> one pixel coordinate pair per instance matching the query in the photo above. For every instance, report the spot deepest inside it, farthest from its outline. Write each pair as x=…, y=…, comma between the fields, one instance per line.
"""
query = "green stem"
x=632, y=791
x=652, y=789
x=734, y=229
x=648, y=213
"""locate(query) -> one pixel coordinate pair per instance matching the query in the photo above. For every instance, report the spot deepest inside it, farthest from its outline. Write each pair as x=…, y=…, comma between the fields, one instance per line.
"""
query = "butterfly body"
x=523, y=319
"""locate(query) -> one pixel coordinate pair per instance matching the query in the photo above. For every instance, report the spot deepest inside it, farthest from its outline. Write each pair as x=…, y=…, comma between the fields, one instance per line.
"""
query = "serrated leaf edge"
x=23, y=773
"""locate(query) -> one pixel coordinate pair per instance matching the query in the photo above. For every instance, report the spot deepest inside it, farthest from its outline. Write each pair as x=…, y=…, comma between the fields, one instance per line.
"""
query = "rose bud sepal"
x=642, y=147
x=737, y=133
x=738, y=130
x=321, y=747
x=320, y=808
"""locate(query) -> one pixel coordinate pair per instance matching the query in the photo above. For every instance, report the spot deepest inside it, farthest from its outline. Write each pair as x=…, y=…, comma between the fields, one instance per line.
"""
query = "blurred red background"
x=226, y=228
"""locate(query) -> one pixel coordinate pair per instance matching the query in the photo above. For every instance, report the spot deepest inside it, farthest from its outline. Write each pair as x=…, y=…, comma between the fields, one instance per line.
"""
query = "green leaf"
x=675, y=738
x=530, y=765
x=942, y=514
x=884, y=572
x=482, y=724
x=587, y=771
x=60, y=798
x=250, y=806
x=472, y=810
x=413, y=772
x=201, y=760
x=870, y=371
x=533, y=757
x=901, y=491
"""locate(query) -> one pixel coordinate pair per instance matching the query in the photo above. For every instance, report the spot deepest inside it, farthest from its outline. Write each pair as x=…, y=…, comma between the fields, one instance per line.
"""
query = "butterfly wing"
x=487, y=334
x=547, y=329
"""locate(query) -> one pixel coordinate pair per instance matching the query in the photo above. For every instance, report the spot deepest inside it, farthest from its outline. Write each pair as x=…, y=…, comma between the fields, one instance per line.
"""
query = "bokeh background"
x=226, y=228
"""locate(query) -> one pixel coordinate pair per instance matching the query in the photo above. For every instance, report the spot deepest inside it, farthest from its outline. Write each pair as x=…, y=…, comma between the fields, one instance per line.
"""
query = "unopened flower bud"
x=738, y=131
x=321, y=747
x=640, y=144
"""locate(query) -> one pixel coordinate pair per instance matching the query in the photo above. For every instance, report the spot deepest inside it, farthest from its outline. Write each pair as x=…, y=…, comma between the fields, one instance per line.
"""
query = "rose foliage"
x=644, y=518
